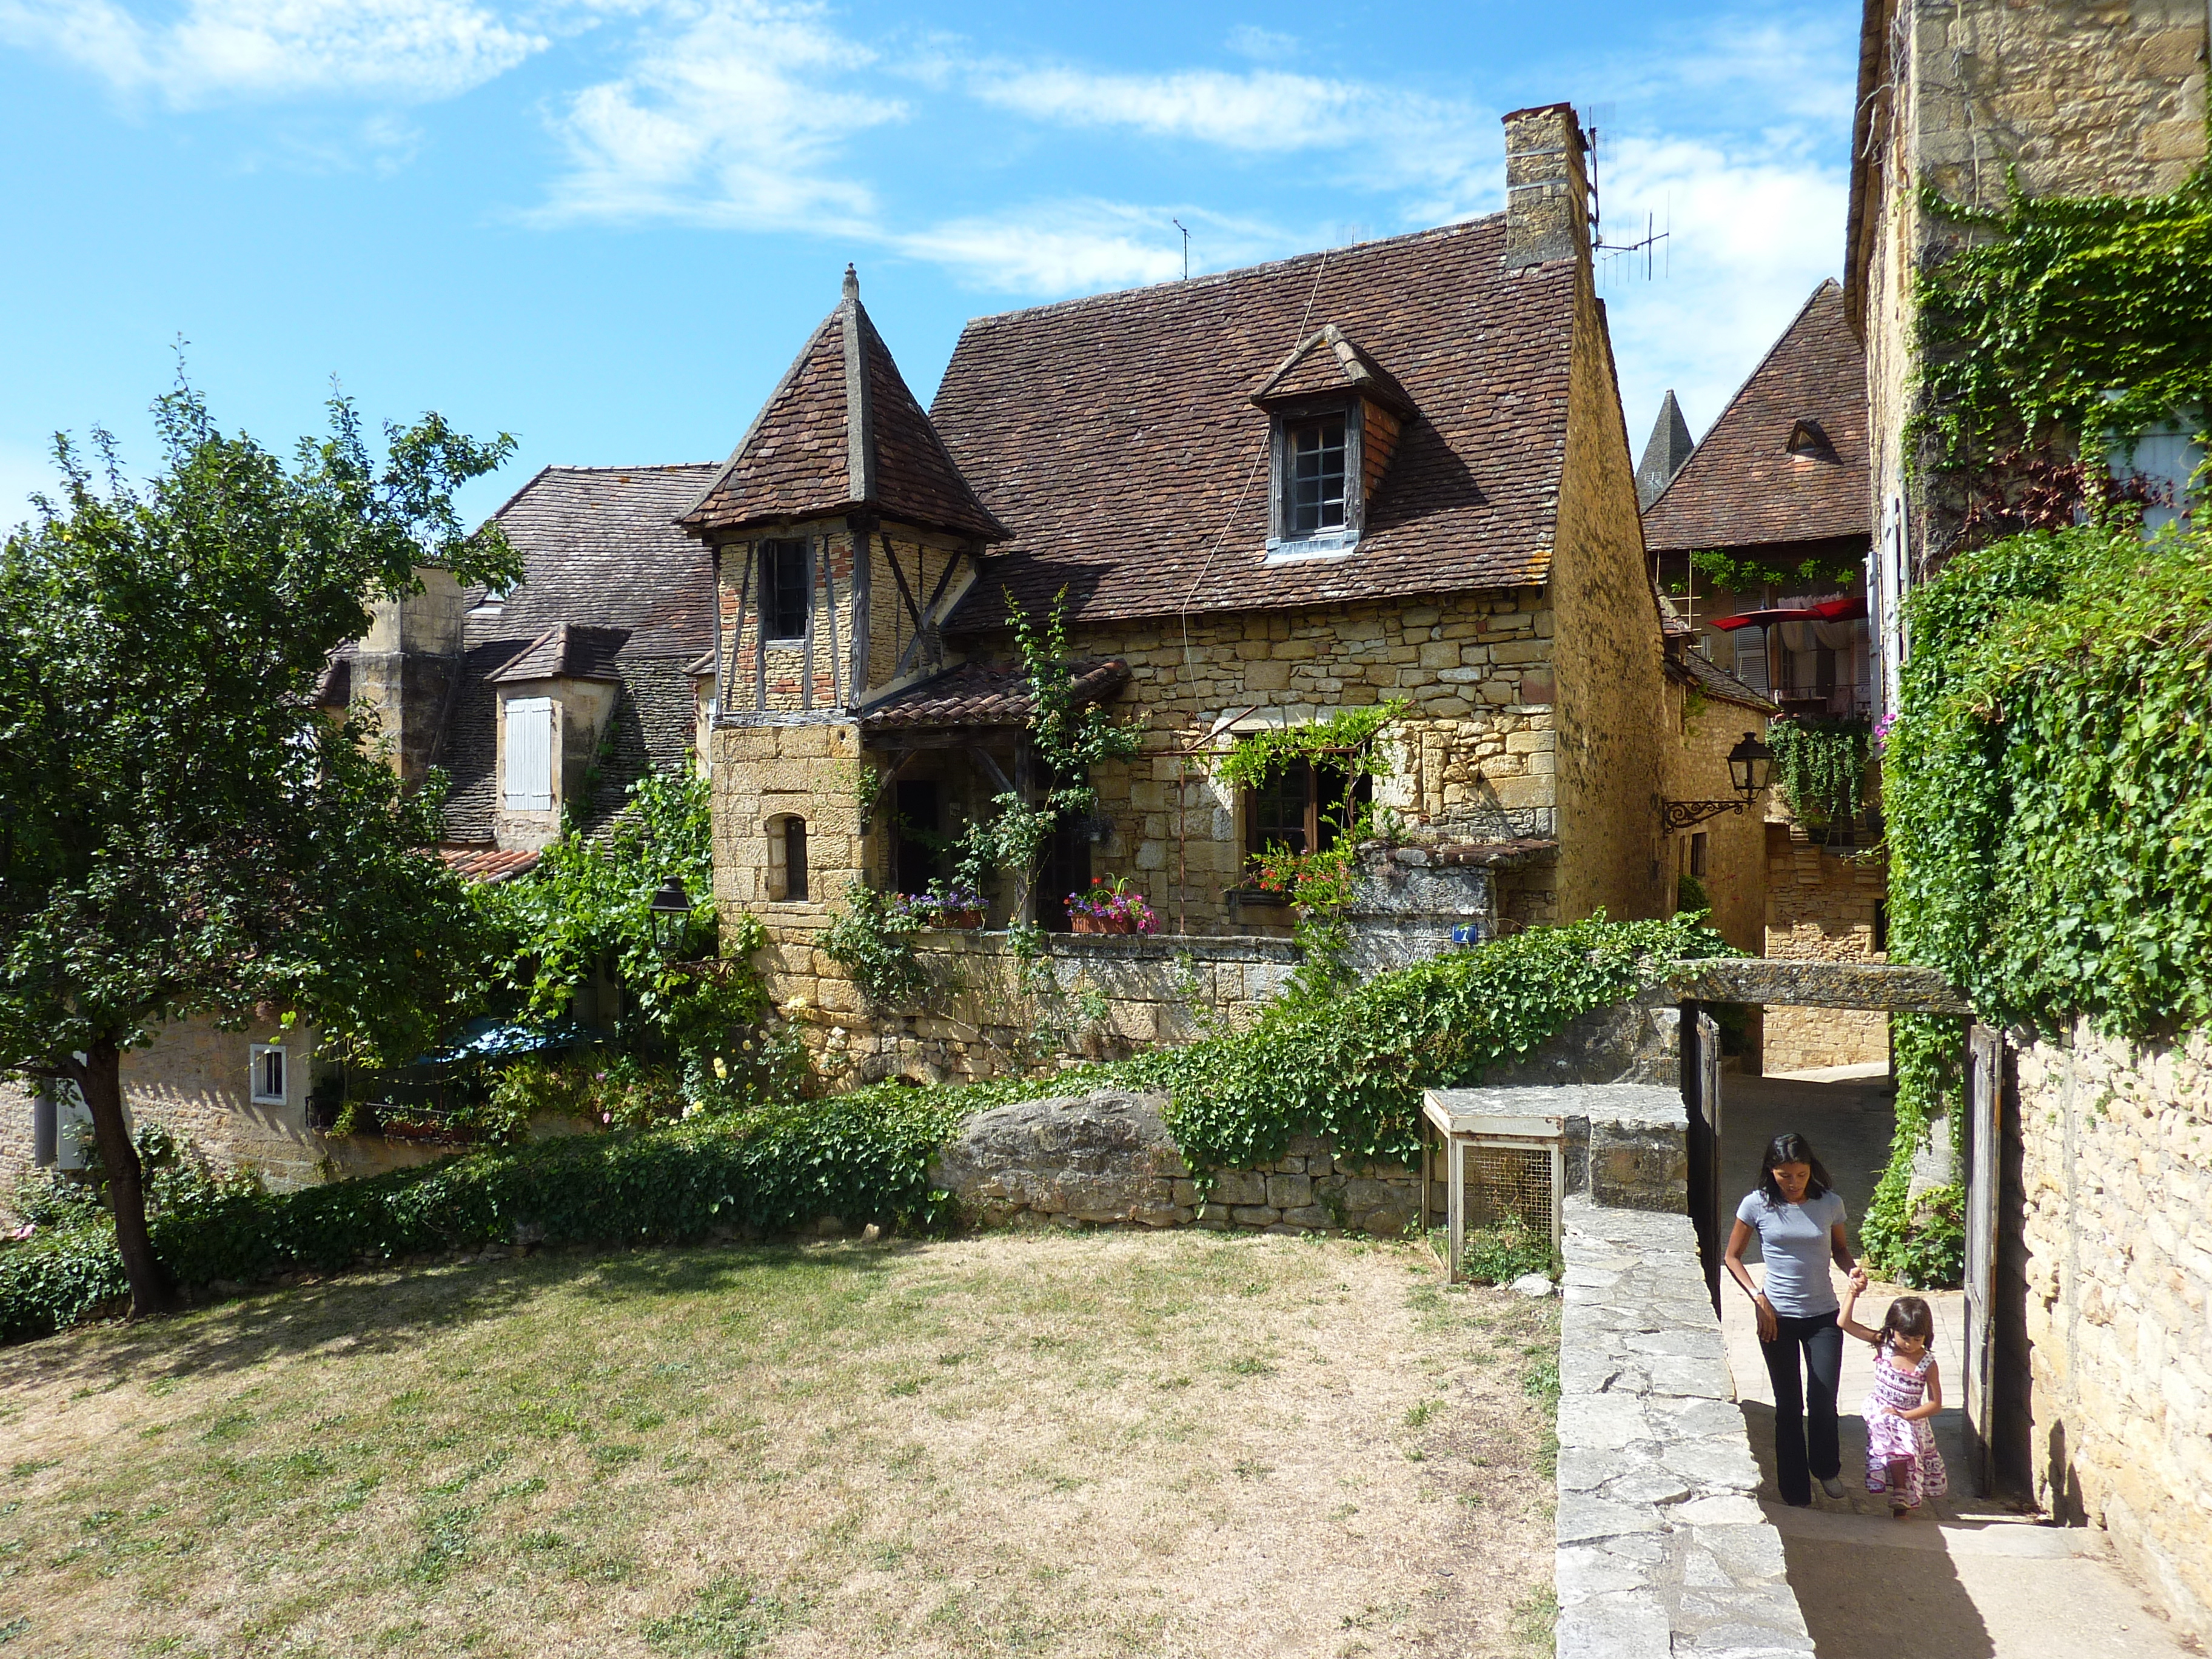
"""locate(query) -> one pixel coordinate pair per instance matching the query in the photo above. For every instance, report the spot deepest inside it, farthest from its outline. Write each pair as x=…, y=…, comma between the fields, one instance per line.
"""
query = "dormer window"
x=1808, y=440
x=1315, y=476
x=1337, y=418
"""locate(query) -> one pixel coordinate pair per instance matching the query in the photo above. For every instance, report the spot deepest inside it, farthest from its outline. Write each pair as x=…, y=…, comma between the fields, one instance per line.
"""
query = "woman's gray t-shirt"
x=1794, y=1239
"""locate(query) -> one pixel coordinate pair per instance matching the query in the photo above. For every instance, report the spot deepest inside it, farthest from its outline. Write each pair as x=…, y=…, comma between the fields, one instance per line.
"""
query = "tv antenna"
x=1656, y=260
x=1185, y=230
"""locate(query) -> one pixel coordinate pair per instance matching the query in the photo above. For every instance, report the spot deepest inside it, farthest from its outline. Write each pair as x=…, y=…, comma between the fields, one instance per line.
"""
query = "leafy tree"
x=181, y=833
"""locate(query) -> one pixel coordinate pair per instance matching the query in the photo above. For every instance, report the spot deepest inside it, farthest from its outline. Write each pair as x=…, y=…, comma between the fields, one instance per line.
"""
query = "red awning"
x=1828, y=610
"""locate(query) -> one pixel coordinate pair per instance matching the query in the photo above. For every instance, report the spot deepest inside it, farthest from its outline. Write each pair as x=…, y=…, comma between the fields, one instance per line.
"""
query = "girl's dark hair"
x=1908, y=1316
x=1791, y=1149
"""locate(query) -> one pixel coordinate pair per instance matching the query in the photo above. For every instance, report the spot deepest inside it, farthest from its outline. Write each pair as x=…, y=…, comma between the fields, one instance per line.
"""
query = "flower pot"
x=1088, y=924
x=960, y=920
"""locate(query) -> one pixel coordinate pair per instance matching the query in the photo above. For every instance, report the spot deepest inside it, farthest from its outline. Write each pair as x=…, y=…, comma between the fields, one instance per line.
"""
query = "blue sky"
x=605, y=226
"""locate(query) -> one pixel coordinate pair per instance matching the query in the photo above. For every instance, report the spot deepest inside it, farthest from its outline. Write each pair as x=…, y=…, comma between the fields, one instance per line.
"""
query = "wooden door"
x=1701, y=1099
x=1985, y=1095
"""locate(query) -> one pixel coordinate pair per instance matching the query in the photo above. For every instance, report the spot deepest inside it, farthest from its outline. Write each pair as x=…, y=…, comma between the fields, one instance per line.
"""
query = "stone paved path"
x=1972, y=1580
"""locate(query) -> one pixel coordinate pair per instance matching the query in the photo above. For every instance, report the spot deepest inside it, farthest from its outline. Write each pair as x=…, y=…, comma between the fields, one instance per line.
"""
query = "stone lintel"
x=1767, y=982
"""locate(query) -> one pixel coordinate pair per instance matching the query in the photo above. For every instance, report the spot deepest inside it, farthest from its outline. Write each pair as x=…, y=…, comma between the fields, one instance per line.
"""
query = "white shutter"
x=1751, y=657
x=530, y=755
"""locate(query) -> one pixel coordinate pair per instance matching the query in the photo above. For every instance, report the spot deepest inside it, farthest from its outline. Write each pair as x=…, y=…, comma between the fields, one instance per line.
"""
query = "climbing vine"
x=2060, y=317
x=1819, y=766
x=1732, y=574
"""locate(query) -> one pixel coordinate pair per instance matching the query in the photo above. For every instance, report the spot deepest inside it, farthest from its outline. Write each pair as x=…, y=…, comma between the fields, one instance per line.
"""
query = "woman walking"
x=1799, y=1220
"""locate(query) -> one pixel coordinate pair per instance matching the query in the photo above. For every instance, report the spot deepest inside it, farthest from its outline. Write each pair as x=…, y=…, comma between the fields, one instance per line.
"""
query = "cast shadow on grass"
x=392, y=1310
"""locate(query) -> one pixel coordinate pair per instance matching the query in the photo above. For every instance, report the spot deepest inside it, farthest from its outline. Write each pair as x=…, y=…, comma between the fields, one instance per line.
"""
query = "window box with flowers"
x=1112, y=907
x=956, y=907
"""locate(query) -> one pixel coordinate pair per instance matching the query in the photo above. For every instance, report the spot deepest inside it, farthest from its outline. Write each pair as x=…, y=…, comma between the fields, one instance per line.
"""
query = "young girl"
x=1907, y=1393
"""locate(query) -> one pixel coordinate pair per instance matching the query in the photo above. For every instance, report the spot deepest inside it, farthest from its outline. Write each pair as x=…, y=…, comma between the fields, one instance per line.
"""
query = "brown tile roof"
x=980, y=694
x=599, y=549
x=567, y=652
x=1116, y=436
x=842, y=434
x=1741, y=486
x=486, y=864
x=1328, y=360
x=1692, y=668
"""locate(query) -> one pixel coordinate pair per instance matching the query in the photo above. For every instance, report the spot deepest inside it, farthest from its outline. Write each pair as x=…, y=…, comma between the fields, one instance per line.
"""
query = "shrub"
x=773, y=1171
x=1502, y=1254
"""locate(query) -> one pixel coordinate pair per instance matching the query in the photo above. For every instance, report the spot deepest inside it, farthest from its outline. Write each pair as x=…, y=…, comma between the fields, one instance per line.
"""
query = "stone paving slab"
x=1663, y=1549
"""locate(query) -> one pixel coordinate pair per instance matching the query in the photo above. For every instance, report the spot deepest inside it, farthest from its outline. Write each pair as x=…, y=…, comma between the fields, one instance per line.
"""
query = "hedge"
x=774, y=1171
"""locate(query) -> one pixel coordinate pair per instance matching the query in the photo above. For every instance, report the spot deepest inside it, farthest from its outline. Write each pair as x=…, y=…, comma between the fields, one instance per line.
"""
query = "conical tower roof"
x=1668, y=448
x=842, y=434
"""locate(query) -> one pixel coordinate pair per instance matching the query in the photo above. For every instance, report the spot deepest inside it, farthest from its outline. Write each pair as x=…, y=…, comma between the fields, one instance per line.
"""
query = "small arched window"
x=787, y=858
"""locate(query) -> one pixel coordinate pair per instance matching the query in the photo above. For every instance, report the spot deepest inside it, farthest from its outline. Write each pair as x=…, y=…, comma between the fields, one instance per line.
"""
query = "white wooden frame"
x=1461, y=1130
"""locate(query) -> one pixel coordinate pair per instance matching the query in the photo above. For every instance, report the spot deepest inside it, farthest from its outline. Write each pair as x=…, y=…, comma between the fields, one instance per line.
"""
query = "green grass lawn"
x=1106, y=1443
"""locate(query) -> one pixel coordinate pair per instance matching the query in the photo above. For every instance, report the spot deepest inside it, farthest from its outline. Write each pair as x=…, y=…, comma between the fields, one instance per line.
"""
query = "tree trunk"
x=99, y=1077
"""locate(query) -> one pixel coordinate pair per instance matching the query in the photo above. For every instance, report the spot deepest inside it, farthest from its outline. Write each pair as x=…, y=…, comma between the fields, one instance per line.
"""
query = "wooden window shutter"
x=530, y=755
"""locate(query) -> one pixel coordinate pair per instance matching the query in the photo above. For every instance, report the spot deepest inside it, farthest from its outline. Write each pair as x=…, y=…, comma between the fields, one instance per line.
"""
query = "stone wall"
x=2116, y=1171
x=1734, y=879
x=1606, y=655
x=1090, y=996
x=1662, y=1547
x=1477, y=749
x=194, y=1081
x=1822, y=906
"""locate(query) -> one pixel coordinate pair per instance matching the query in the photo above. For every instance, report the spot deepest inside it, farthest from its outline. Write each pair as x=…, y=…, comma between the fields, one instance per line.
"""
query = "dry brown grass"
x=1060, y=1444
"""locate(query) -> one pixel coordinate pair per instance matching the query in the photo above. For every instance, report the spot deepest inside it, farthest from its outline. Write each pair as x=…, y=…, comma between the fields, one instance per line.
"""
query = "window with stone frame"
x=786, y=858
x=786, y=586
x=1302, y=808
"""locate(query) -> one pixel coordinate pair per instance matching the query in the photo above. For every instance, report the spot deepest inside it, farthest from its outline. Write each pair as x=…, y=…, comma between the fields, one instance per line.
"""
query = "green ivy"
x=1732, y=575
x=2065, y=316
x=1345, y=741
x=872, y=939
x=1922, y=1241
x=1820, y=765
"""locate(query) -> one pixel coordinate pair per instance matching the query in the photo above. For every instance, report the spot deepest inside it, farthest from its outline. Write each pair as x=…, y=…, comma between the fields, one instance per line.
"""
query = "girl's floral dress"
x=1891, y=1439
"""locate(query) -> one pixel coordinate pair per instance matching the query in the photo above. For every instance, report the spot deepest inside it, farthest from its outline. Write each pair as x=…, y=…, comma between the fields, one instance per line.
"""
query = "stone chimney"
x=406, y=666
x=1546, y=187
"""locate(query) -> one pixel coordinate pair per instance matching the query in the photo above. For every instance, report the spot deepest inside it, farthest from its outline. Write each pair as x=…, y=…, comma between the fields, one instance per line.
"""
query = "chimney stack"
x=1546, y=187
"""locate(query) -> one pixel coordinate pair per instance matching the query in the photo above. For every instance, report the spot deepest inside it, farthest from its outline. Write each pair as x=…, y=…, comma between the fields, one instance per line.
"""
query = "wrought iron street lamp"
x=671, y=910
x=1750, y=763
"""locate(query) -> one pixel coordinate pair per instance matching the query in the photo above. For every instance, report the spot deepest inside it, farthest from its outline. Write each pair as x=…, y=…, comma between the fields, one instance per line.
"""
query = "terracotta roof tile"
x=1116, y=436
x=810, y=453
x=488, y=864
x=980, y=694
x=1328, y=360
x=1741, y=486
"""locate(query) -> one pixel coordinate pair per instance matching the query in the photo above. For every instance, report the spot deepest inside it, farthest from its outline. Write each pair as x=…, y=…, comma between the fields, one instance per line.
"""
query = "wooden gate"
x=1701, y=1087
x=1984, y=1106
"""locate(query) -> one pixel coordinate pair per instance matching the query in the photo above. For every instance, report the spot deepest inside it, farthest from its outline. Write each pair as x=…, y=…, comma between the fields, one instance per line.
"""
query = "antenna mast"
x=1185, y=230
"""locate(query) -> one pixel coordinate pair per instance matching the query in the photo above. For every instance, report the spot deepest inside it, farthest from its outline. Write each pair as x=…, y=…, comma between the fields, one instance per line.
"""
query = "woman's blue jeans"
x=1805, y=1447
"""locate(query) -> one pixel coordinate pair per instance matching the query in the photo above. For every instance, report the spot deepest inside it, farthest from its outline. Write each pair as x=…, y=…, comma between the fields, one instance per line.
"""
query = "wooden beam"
x=857, y=681
x=996, y=775
x=726, y=683
x=829, y=592
x=806, y=640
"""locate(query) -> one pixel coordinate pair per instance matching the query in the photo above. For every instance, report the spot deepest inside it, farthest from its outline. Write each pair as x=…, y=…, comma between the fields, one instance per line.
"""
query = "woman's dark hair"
x=1791, y=1149
x=1908, y=1316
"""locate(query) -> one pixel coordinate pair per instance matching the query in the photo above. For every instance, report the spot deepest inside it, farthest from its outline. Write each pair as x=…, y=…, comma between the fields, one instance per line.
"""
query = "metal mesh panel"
x=1506, y=1183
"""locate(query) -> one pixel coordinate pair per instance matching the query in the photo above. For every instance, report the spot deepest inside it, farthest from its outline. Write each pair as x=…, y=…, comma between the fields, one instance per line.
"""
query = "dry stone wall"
x=1822, y=906
x=2116, y=1177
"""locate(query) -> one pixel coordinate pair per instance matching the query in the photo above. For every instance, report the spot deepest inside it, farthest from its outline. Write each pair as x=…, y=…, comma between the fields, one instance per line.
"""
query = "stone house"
x=1778, y=486
x=1396, y=469
x=2103, y=1392
x=551, y=696
x=1975, y=97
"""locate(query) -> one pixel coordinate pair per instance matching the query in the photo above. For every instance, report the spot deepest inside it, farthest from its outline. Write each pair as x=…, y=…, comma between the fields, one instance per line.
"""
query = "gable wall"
x=1606, y=655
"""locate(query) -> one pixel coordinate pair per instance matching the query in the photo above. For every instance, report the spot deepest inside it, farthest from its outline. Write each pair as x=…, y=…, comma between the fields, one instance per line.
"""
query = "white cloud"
x=1249, y=40
x=219, y=50
x=1753, y=231
x=1081, y=247
x=736, y=118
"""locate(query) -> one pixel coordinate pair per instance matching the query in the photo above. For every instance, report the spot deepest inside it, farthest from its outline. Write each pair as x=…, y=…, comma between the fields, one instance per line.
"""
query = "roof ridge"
x=1736, y=397
x=1454, y=227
